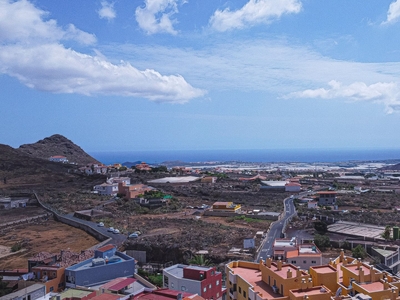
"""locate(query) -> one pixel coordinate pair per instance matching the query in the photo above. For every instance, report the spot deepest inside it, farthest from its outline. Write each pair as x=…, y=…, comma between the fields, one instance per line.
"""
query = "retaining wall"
x=211, y=213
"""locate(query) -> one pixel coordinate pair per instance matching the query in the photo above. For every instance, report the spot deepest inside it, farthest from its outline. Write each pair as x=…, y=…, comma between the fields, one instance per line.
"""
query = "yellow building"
x=226, y=207
x=271, y=280
x=344, y=278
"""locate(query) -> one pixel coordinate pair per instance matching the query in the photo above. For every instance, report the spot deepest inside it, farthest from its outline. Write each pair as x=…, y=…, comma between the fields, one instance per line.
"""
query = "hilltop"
x=57, y=145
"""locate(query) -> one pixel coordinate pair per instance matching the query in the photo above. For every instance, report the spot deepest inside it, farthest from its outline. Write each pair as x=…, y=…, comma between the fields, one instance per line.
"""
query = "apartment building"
x=204, y=281
x=301, y=255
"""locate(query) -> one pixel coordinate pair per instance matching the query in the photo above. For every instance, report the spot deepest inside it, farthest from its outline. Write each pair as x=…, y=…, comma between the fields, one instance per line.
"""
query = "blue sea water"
x=265, y=155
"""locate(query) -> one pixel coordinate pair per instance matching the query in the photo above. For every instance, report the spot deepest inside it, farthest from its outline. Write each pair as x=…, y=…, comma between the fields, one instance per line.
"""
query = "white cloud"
x=393, y=13
x=253, y=12
x=31, y=50
x=155, y=16
x=386, y=93
x=107, y=11
x=21, y=21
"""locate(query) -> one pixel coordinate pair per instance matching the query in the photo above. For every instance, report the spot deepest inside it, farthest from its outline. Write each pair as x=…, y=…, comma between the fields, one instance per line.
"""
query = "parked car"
x=116, y=231
x=101, y=224
x=111, y=229
x=133, y=235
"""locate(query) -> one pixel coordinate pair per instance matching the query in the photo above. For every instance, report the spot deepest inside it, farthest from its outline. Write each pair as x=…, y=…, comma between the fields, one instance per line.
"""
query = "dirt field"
x=50, y=236
x=10, y=215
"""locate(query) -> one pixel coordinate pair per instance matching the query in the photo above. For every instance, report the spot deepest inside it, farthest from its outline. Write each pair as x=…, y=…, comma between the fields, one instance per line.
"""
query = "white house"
x=292, y=187
x=107, y=189
x=58, y=158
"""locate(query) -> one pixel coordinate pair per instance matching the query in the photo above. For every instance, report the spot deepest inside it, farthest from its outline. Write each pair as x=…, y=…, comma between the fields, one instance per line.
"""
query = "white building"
x=58, y=158
x=107, y=189
x=301, y=255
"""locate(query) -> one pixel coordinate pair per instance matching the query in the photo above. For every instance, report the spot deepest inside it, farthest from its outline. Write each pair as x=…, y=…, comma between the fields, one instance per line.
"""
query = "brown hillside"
x=57, y=145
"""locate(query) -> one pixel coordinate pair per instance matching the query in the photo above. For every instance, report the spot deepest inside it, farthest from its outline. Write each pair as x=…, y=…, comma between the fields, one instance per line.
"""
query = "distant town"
x=76, y=229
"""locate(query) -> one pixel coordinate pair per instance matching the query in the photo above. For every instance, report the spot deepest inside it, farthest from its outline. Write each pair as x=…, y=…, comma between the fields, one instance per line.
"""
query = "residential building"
x=48, y=268
x=32, y=292
x=13, y=202
x=226, y=207
x=106, y=264
x=209, y=179
x=132, y=191
x=166, y=294
x=271, y=280
x=143, y=167
x=124, y=180
x=58, y=158
x=389, y=256
x=301, y=255
x=204, y=281
x=107, y=189
x=293, y=187
x=326, y=198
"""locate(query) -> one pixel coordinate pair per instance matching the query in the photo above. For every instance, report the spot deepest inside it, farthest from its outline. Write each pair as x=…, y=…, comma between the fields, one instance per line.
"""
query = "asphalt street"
x=275, y=230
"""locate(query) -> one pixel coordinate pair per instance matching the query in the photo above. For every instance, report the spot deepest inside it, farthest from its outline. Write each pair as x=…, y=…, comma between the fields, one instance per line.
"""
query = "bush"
x=16, y=247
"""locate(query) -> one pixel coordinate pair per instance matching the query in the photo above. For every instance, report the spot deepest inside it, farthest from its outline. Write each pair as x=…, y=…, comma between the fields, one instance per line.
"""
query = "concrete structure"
x=343, y=278
x=326, y=198
x=13, y=202
x=204, y=281
x=365, y=231
x=106, y=265
x=226, y=207
x=107, y=189
x=32, y=292
x=312, y=204
x=182, y=179
x=302, y=255
x=277, y=186
x=389, y=256
x=293, y=187
x=58, y=158
x=209, y=179
x=132, y=191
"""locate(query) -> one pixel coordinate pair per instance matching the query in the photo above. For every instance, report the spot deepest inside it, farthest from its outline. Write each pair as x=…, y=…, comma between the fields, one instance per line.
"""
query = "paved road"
x=275, y=230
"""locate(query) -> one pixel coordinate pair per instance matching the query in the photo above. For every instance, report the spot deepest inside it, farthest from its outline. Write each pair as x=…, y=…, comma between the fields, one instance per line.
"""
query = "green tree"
x=322, y=241
x=386, y=233
x=359, y=252
x=199, y=260
x=321, y=227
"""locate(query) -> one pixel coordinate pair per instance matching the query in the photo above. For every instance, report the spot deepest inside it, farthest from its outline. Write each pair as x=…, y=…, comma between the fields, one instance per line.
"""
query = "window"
x=293, y=261
x=51, y=289
x=244, y=294
x=217, y=283
x=183, y=288
x=313, y=262
x=240, y=290
x=172, y=285
x=209, y=286
x=165, y=281
x=234, y=287
x=205, y=289
x=304, y=261
x=212, y=272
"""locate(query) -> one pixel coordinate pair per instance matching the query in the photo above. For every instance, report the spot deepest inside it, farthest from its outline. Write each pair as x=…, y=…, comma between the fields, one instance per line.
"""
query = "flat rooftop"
x=357, y=229
x=254, y=278
x=183, y=179
x=87, y=264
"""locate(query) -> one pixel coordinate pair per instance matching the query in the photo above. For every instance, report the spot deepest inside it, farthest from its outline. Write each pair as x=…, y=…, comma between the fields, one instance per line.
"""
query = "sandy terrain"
x=50, y=236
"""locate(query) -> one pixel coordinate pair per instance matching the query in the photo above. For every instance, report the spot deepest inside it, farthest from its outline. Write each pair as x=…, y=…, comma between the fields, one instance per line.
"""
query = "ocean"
x=262, y=156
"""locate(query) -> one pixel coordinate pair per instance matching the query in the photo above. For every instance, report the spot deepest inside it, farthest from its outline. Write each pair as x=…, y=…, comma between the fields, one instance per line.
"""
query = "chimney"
x=359, y=263
x=310, y=283
x=289, y=273
x=303, y=285
x=179, y=296
x=372, y=272
x=342, y=255
x=385, y=284
x=298, y=272
x=361, y=275
x=268, y=261
x=344, y=261
x=279, y=265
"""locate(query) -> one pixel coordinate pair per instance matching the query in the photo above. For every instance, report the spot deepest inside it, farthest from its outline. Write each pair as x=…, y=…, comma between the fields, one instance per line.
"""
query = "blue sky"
x=199, y=74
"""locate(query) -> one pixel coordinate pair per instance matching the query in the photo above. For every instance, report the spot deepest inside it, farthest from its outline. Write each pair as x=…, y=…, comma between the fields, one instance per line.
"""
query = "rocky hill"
x=57, y=145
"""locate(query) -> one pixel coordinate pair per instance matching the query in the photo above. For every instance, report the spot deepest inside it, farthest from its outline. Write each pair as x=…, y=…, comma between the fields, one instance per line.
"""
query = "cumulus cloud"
x=107, y=11
x=253, y=12
x=393, y=13
x=155, y=16
x=386, y=93
x=31, y=50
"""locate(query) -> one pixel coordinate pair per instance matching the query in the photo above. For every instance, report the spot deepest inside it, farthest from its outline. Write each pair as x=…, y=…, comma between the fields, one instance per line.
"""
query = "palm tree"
x=199, y=260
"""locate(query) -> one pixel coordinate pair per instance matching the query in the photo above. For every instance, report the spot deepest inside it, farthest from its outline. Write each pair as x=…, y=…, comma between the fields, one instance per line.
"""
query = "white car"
x=111, y=229
x=101, y=224
x=116, y=231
